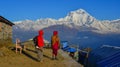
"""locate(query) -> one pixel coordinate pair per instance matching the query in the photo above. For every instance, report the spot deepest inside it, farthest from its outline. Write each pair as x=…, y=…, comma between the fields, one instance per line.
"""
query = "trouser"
x=55, y=51
x=39, y=54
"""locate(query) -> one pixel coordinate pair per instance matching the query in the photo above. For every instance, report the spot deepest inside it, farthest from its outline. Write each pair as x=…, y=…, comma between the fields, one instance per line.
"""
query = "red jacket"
x=40, y=39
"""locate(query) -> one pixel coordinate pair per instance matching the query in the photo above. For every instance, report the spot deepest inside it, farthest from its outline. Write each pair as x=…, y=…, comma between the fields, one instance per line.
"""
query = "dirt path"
x=69, y=62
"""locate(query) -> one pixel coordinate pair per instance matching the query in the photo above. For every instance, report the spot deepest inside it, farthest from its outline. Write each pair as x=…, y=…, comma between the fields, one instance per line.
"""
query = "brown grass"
x=28, y=58
x=5, y=43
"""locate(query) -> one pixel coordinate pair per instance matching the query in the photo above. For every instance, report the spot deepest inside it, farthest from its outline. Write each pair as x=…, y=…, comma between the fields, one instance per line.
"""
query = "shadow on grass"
x=31, y=50
x=47, y=57
x=36, y=53
x=28, y=55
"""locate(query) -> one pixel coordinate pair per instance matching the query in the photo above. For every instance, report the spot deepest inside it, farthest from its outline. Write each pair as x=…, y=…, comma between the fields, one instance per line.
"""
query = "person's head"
x=55, y=33
x=40, y=32
x=17, y=39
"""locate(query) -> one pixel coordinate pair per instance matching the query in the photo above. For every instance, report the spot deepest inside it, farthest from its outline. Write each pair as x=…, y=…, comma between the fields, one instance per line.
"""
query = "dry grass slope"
x=27, y=58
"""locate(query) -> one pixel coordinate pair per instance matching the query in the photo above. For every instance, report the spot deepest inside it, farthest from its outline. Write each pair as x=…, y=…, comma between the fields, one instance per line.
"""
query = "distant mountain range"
x=77, y=27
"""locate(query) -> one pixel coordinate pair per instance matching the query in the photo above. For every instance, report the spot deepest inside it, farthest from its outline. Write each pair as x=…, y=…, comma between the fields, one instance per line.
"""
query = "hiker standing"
x=40, y=44
x=55, y=43
x=35, y=41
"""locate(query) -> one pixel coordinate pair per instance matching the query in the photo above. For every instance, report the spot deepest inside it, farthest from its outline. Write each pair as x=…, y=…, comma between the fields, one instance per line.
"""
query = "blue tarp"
x=71, y=50
x=64, y=44
x=66, y=47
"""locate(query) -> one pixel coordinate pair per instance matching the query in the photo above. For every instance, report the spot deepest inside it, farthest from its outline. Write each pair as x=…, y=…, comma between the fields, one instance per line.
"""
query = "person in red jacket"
x=39, y=47
x=55, y=43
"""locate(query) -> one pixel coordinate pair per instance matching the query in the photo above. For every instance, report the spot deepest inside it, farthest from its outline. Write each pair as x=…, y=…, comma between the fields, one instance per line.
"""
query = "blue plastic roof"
x=104, y=57
x=64, y=44
x=113, y=60
x=71, y=50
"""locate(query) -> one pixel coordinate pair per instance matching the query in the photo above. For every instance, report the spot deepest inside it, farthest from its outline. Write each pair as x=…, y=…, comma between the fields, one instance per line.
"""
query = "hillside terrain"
x=28, y=58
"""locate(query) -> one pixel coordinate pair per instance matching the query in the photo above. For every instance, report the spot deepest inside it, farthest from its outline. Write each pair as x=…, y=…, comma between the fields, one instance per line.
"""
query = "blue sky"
x=16, y=10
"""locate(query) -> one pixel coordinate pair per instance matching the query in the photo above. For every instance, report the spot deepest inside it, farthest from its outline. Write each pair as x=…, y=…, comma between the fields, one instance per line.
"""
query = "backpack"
x=35, y=41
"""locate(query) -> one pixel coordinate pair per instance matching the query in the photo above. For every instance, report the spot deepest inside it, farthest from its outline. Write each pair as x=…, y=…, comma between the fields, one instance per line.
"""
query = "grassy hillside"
x=28, y=58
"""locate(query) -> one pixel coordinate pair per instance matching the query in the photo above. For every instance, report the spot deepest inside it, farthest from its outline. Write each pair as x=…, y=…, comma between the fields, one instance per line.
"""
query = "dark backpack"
x=35, y=40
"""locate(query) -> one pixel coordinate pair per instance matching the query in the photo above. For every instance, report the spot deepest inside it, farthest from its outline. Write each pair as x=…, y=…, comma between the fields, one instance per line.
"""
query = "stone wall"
x=5, y=31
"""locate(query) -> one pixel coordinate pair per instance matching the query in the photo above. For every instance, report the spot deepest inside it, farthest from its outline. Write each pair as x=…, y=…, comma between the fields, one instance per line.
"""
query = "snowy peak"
x=79, y=11
x=74, y=19
x=79, y=17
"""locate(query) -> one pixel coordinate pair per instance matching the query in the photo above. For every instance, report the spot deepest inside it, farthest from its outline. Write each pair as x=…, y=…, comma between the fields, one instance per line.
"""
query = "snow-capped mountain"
x=77, y=27
x=78, y=18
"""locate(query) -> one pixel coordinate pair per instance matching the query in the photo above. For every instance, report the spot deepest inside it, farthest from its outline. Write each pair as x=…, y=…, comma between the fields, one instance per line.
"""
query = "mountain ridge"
x=78, y=27
x=79, y=18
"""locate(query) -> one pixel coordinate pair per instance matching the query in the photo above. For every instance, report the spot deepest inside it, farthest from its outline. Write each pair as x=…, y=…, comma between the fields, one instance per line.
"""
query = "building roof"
x=104, y=56
x=2, y=19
